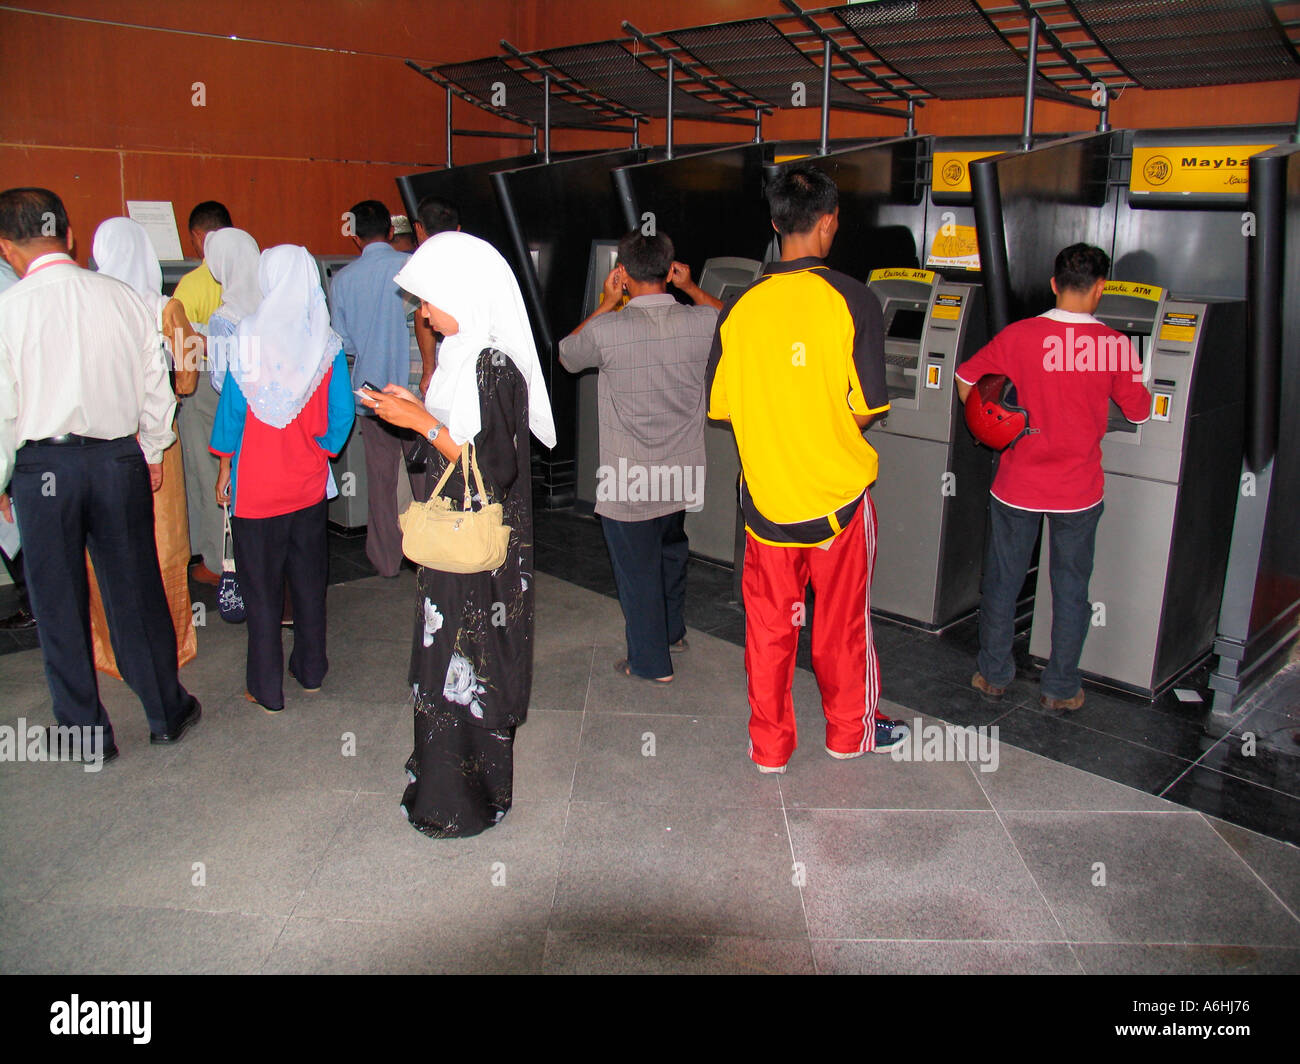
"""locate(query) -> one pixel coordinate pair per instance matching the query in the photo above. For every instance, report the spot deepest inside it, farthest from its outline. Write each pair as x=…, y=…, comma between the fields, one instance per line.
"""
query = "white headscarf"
x=294, y=345
x=467, y=278
x=122, y=249
x=233, y=259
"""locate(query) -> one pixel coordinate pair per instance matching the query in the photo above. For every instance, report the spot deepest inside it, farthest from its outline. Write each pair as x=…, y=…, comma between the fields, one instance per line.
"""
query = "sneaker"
x=1062, y=703
x=778, y=770
x=990, y=693
x=890, y=734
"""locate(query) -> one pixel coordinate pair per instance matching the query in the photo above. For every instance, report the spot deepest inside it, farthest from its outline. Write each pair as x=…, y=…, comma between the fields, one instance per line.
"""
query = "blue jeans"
x=1072, y=537
x=649, y=559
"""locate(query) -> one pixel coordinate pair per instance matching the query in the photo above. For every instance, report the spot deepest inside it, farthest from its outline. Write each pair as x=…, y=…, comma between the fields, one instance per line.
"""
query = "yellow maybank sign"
x=951, y=169
x=1206, y=169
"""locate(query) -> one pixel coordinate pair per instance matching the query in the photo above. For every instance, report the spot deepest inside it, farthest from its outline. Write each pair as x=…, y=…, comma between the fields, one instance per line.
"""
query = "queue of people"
x=795, y=364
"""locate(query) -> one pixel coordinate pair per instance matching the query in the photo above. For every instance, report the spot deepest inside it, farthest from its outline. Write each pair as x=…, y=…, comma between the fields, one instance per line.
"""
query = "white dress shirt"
x=79, y=353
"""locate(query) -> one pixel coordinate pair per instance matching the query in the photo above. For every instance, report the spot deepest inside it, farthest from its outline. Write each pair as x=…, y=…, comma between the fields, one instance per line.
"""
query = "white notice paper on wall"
x=159, y=221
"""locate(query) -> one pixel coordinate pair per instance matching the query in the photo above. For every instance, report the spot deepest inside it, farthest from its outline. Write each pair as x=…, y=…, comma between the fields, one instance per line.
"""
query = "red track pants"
x=843, y=654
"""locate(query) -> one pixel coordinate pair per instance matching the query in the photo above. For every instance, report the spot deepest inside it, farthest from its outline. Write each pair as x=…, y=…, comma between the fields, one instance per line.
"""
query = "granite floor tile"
x=55, y=939
x=1179, y=959
x=426, y=944
x=677, y=871
x=1276, y=863
x=669, y=759
x=379, y=868
x=596, y=953
x=916, y=875
x=1148, y=878
x=840, y=957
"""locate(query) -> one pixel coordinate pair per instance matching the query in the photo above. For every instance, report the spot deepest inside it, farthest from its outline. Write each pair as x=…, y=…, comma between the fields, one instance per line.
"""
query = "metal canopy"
x=948, y=48
x=610, y=70
x=759, y=59
x=1172, y=44
x=526, y=101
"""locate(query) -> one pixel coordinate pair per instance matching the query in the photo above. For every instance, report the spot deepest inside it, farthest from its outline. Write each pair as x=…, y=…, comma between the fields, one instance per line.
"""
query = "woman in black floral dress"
x=471, y=661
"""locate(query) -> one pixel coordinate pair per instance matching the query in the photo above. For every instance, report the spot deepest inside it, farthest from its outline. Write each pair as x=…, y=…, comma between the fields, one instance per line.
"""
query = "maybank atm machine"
x=1171, y=493
x=931, y=495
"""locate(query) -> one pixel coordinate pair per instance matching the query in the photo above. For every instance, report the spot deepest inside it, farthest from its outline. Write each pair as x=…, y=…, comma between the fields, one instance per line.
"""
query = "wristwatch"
x=432, y=434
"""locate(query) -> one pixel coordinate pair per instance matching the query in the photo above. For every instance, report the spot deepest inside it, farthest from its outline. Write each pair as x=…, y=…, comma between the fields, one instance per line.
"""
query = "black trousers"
x=269, y=550
x=73, y=498
x=649, y=560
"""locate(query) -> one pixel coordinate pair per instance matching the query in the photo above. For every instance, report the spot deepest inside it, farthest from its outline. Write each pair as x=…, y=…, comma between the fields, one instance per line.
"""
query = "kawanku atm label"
x=1208, y=169
x=899, y=274
x=1133, y=291
x=946, y=306
x=1179, y=327
x=951, y=169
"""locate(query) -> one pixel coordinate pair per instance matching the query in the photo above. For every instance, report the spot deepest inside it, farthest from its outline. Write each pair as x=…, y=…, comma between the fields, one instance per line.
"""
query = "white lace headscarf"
x=286, y=346
x=468, y=279
x=122, y=249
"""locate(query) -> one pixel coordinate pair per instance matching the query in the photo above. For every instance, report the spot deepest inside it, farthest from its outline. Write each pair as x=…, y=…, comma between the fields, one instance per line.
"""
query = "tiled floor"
x=641, y=838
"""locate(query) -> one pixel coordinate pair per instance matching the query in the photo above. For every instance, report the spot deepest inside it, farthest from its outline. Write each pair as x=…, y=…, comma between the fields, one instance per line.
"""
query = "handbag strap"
x=228, y=535
x=468, y=460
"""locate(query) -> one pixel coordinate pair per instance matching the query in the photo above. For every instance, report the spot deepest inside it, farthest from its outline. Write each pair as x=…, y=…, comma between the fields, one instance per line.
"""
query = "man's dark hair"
x=437, y=216
x=646, y=258
x=1079, y=267
x=799, y=196
x=32, y=214
x=371, y=219
x=210, y=215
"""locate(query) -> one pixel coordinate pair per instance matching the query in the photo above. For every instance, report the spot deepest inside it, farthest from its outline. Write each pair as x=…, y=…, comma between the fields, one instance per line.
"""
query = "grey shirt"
x=652, y=356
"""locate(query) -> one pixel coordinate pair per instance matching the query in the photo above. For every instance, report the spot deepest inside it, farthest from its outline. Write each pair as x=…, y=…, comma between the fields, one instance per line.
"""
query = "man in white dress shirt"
x=85, y=414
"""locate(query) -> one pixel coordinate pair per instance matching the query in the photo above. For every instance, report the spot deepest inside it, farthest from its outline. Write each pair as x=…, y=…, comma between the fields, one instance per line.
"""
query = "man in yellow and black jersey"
x=797, y=367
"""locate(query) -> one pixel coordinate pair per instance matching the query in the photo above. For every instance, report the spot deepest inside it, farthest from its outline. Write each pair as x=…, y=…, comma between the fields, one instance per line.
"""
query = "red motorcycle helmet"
x=993, y=415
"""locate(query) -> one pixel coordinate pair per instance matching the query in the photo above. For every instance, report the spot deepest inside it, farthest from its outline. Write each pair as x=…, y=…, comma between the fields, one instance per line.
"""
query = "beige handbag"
x=436, y=535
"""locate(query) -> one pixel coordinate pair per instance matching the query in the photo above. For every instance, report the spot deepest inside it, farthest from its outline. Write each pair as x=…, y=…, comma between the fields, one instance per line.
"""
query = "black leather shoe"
x=187, y=722
x=17, y=622
x=54, y=747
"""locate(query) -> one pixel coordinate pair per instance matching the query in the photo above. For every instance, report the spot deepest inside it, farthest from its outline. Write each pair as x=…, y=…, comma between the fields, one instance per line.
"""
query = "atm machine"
x=349, y=509
x=1171, y=494
x=717, y=529
x=931, y=495
x=604, y=254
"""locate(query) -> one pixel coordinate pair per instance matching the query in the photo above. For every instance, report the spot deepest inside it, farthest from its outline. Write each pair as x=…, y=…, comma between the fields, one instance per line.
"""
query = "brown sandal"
x=624, y=669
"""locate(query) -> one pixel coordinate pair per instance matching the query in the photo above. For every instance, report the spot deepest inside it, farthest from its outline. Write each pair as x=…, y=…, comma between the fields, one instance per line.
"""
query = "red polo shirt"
x=1066, y=367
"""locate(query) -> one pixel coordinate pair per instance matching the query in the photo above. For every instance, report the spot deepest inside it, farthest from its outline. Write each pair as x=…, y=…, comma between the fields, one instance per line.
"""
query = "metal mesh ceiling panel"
x=759, y=59
x=1171, y=44
x=612, y=71
x=483, y=78
x=946, y=47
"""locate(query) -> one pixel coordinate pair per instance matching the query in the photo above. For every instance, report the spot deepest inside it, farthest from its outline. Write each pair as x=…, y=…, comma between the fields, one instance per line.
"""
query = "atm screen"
x=603, y=258
x=906, y=324
x=1115, y=419
x=729, y=290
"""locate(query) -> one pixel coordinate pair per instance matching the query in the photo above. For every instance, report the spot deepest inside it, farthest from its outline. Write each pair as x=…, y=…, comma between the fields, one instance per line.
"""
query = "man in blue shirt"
x=368, y=314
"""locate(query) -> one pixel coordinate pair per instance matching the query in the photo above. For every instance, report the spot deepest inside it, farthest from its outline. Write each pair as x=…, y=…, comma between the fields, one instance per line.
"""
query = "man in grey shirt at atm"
x=652, y=356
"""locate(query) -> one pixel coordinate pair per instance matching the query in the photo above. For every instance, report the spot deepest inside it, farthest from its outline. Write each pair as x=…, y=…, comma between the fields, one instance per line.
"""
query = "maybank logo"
x=1158, y=170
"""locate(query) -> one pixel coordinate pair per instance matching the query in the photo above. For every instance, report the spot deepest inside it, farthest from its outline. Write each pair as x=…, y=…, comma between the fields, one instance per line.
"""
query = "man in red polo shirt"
x=1063, y=377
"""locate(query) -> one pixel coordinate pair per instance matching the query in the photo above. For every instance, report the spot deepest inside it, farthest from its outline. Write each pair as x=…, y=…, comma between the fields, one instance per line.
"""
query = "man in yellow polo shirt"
x=798, y=369
x=200, y=295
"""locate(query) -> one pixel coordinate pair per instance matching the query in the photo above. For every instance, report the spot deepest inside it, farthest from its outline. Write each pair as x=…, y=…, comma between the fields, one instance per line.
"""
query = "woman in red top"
x=286, y=409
